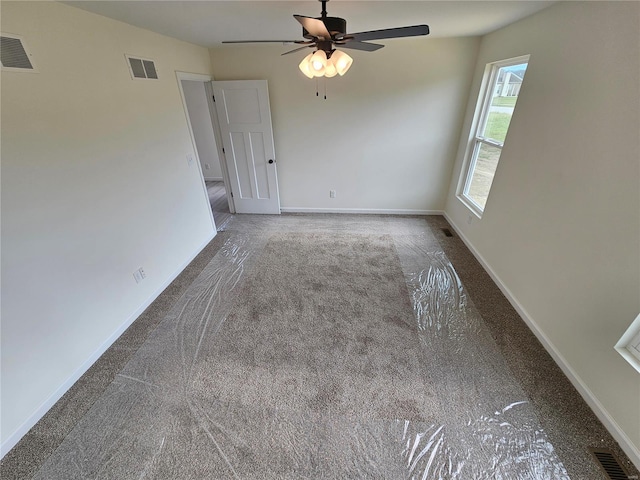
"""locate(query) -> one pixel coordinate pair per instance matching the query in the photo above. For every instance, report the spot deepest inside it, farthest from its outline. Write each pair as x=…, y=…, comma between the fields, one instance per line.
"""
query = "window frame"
x=480, y=117
x=628, y=344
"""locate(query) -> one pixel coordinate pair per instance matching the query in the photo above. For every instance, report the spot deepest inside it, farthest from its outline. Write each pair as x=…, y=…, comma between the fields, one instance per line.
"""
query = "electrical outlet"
x=469, y=219
x=139, y=275
x=207, y=166
x=189, y=159
x=332, y=194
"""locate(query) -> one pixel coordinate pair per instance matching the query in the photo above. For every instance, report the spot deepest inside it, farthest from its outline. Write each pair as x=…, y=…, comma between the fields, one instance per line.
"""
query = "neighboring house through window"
x=501, y=87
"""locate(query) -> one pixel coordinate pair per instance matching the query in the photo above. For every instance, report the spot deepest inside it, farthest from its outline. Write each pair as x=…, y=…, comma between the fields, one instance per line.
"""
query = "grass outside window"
x=493, y=119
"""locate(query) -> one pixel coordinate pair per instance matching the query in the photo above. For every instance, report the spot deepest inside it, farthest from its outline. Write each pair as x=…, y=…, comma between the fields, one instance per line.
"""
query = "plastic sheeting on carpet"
x=486, y=428
x=148, y=423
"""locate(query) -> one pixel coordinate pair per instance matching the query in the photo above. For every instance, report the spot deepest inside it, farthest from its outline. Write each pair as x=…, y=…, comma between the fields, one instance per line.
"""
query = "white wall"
x=386, y=136
x=196, y=98
x=561, y=229
x=95, y=183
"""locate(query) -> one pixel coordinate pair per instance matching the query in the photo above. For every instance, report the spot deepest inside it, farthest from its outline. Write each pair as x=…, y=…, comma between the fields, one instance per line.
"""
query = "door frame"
x=206, y=79
x=217, y=133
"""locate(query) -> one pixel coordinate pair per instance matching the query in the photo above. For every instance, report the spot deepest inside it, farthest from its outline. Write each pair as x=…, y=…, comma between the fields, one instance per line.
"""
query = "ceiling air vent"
x=142, y=68
x=13, y=54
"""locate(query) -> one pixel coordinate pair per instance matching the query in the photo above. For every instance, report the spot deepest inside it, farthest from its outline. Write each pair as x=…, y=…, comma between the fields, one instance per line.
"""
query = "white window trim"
x=479, y=120
x=625, y=345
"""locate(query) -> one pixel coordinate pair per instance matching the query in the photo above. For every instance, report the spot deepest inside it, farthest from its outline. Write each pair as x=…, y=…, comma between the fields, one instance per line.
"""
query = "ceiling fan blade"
x=355, y=45
x=314, y=26
x=413, y=31
x=264, y=41
x=295, y=50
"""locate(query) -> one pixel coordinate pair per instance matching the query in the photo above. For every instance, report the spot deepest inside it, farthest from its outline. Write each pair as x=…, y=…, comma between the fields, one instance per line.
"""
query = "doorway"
x=196, y=92
x=218, y=199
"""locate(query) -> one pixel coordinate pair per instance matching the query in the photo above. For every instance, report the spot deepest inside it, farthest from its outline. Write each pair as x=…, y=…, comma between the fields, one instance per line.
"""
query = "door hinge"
x=214, y=98
x=231, y=194
x=223, y=150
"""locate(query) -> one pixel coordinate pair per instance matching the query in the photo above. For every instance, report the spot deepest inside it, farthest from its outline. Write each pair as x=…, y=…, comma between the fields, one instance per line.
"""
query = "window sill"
x=470, y=205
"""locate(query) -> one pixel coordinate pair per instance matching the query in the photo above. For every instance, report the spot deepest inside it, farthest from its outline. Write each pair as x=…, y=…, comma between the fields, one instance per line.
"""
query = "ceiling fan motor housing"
x=335, y=25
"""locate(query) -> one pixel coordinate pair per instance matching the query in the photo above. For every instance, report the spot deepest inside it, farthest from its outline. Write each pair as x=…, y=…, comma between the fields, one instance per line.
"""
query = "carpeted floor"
x=324, y=346
x=324, y=325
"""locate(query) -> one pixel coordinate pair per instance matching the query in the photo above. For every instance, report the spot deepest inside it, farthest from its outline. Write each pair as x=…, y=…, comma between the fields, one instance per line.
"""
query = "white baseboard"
x=213, y=179
x=601, y=412
x=22, y=430
x=371, y=211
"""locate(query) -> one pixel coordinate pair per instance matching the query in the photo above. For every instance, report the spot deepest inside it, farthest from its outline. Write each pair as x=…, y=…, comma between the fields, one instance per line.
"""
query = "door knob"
x=271, y=160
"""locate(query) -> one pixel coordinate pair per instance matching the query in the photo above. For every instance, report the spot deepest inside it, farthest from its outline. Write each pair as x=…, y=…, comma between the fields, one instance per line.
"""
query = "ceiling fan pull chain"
x=324, y=80
x=317, y=94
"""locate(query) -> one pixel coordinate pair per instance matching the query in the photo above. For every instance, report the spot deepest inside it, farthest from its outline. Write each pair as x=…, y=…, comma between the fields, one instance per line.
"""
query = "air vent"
x=13, y=54
x=610, y=464
x=447, y=232
x=142, y=68
x=150, y=69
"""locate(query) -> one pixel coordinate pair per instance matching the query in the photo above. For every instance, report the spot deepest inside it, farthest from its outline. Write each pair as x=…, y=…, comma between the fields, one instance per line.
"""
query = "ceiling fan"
x=323, y=33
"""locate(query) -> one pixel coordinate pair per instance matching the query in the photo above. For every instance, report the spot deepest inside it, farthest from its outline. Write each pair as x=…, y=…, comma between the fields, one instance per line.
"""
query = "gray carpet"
x=319, y=353
x=324, y=326
x=319, y=347
x=306, y=378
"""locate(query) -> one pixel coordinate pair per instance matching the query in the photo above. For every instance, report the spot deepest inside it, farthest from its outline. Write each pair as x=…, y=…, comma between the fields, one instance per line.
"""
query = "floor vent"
x=447, y=232
x=610, y=464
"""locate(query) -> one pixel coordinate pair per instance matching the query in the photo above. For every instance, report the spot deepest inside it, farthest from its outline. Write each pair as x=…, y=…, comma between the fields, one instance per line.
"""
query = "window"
x=499, y=95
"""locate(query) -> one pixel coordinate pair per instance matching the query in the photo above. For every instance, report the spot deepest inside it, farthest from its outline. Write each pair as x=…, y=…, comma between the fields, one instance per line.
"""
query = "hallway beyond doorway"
x=219, y=203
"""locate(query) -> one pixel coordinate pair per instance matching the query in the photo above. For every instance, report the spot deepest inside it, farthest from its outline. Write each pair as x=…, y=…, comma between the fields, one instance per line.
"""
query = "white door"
x=244, y=116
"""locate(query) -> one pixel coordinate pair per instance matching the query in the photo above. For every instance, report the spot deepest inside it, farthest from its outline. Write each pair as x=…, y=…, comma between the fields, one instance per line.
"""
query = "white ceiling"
x=208, y=23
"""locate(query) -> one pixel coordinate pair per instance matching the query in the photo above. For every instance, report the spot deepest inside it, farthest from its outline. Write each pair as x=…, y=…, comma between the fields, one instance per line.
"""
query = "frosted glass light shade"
x=305, y=66
x=330, y=69
x=342, y=61
x=318, y=63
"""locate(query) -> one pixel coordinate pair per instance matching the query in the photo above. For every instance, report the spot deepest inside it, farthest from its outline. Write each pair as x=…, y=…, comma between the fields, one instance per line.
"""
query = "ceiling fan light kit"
x=317, y=64
x=323, y=32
